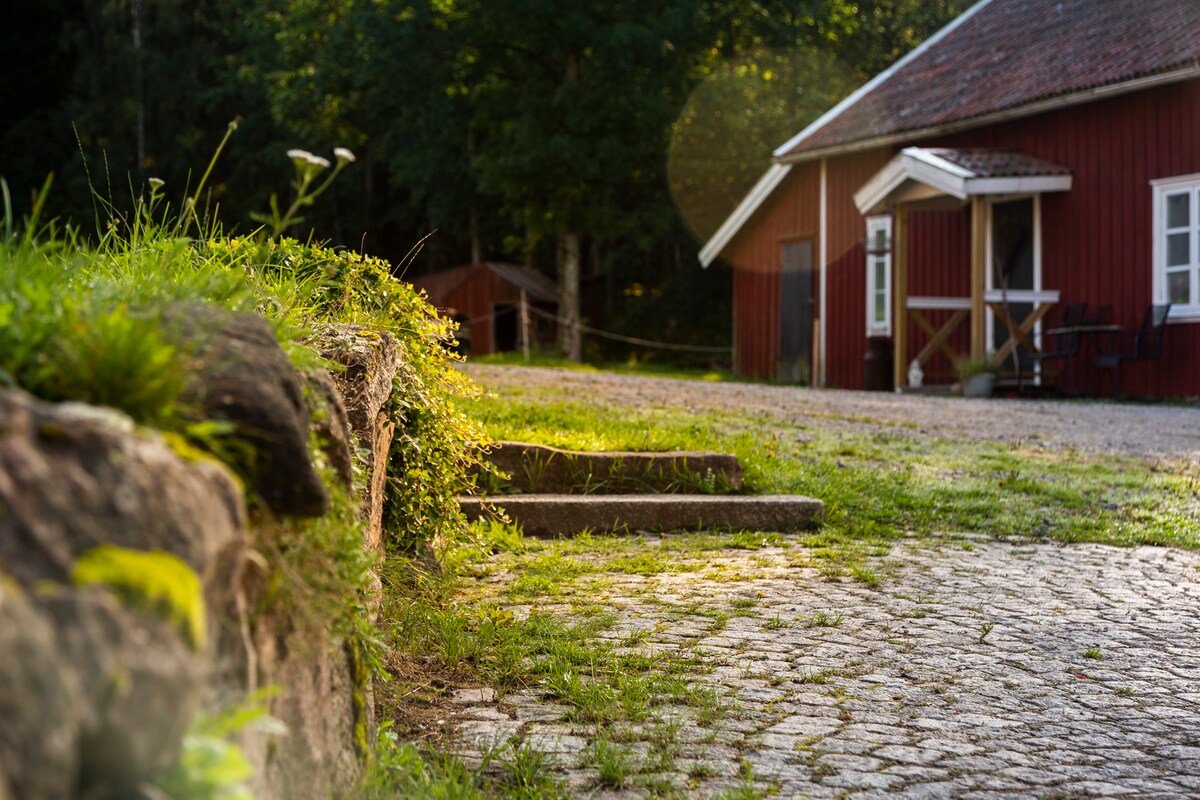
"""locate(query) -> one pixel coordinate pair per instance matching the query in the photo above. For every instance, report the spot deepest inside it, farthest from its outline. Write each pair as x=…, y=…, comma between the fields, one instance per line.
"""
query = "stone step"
x=536, y=468
x=564, y=514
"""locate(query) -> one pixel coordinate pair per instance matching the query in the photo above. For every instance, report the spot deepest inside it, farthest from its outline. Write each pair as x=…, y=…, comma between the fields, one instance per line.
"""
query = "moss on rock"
x=153, y=582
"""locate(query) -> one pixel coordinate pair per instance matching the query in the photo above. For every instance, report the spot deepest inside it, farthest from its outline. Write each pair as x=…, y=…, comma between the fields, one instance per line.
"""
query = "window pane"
x=1177, y=210
x=880, y=308
x=1179, y=249
x=1179, y=286
x=880, y=275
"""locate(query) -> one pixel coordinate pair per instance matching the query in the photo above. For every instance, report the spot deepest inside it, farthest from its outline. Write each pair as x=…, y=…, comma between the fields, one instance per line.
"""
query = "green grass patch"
x=878, y=486
x=647, y=368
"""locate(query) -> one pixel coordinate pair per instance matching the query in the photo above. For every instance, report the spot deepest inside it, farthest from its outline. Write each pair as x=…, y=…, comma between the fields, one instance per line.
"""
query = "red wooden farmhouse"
x=1033, y=167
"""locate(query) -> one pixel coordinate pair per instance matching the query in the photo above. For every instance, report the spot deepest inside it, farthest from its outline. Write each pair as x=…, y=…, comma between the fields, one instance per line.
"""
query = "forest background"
x=525, y=131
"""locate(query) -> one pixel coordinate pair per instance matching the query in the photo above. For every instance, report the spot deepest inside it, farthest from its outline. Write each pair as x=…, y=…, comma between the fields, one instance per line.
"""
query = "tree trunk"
x=568, y=296
x=473, y=228
x=473, y=213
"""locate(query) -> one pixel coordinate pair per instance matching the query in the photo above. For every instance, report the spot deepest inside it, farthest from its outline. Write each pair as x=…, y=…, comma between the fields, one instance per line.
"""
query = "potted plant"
x=977, y=376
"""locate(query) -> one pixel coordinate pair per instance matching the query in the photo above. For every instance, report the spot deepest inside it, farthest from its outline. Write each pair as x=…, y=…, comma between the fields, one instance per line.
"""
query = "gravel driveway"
x=1149, y=431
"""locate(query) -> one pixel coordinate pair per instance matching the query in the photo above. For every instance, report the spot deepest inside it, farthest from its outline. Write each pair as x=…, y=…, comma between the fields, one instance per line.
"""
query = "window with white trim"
x=1177, y=245
x=879, y=276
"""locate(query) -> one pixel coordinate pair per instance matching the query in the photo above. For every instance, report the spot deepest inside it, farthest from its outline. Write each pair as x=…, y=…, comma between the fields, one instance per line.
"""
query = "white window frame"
x=1163, y=189
x=874, y=225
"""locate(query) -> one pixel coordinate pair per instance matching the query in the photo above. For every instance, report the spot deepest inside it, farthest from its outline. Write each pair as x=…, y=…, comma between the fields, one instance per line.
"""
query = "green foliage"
x=737, y=116
x=61, y=342
x=320, y=569
x=399, y=769
x=436, y=444
x=970, y=367
x=613, y=762
x=153, y=582
x=210, y=766
x=498, y=124
x=84, y=323
x=308, y=169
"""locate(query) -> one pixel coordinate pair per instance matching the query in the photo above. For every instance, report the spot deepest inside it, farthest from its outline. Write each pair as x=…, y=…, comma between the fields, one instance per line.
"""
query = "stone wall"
x=133, y=592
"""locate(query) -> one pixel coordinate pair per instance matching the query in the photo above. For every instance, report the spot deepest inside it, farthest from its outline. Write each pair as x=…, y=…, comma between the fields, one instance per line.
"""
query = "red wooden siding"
x=939, y=259
x=846, y=310
x=792, y=212
x=756, y=328
x=1096, y=238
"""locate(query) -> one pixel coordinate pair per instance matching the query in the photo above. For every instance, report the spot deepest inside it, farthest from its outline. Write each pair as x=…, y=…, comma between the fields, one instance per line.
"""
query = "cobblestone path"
x=976, y=668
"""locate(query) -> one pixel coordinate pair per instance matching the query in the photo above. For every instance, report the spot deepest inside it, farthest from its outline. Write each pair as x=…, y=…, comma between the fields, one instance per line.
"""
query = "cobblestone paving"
x=976, y=669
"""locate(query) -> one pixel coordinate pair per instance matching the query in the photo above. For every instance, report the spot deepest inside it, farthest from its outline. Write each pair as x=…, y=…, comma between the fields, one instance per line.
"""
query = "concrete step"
x=563, y=514
x=536, y=468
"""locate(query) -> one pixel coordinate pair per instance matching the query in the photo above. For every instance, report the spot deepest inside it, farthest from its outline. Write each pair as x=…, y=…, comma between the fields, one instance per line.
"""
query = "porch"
x=1006, y=302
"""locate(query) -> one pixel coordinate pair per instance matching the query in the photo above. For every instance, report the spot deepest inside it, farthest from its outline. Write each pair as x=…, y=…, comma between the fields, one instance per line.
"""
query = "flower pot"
x=979, y=385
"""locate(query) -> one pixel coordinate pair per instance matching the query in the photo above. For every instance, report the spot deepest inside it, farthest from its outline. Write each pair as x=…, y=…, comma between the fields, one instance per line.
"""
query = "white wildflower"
x=343, y=155
x=299, y=156
x=317, y=161
x=155, y=183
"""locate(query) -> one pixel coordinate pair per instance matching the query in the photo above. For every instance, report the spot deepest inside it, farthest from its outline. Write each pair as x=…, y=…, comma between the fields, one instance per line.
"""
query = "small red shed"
x=1031, y=155
x=486, y=301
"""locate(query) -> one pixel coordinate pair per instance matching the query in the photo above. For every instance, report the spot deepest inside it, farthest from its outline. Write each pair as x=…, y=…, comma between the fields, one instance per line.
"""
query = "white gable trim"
x=912, y=175
x=916, y=52
x=750, y=203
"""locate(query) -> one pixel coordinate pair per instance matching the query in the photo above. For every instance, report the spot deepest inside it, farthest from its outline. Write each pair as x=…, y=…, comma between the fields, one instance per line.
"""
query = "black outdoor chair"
x=1145, y=345
x=1063, y=345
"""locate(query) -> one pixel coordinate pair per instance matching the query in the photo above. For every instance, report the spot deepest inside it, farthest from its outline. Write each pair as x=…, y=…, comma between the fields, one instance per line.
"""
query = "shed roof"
x=439, y=285
x=535, y=283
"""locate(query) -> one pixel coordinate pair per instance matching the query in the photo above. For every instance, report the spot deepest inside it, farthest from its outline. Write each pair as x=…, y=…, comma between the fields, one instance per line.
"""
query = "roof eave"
x=750, y=203
x=1026, y=184
x=936, y=177
x=911, y=165
x=1030, y=109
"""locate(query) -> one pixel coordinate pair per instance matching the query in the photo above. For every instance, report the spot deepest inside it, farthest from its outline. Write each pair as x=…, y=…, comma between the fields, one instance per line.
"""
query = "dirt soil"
x=1152, y=431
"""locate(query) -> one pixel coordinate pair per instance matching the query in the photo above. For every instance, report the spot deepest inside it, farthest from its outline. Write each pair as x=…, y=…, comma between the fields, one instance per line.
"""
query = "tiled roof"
x=1006, y=54
x=988, y=163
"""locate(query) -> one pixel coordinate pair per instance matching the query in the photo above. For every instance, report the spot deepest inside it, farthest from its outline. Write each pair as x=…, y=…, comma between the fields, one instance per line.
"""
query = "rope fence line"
x=690, y=348
x=491, y=316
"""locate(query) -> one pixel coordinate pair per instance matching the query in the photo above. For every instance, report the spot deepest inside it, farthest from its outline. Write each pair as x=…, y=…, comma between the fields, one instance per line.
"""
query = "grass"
x=881, y=485
x=878, y=487
x=647, y=368
x=614, y=763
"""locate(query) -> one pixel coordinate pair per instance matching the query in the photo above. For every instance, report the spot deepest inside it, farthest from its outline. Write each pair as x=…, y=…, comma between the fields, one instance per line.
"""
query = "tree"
x=776, y=67
x=533, y=129
x=574, y=113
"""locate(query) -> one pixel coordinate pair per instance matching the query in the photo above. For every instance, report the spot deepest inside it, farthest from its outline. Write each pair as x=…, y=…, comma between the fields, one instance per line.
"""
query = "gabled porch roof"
x=931, y=175
x=922, y=178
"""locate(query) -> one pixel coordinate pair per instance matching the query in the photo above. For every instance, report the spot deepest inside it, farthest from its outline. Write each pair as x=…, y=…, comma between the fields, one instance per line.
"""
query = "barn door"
x=796, y=313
